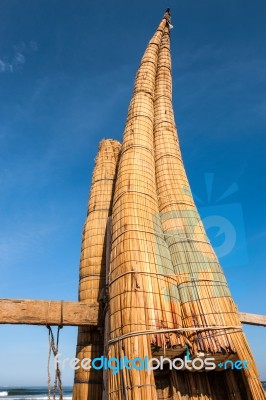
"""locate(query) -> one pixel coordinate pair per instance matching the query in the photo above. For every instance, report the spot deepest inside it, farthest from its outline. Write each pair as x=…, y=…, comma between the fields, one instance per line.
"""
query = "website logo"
x=149, y=364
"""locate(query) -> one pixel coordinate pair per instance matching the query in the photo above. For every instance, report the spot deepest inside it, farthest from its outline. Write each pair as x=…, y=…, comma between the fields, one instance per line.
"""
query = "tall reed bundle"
x=140, y=298
x=161, y=270
x=88, y=384
x=199, y=276
x=205, y=297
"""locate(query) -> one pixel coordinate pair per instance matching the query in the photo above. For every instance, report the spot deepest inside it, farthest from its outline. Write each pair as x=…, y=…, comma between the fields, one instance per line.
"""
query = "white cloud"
x=5, y=66
x=18, y=57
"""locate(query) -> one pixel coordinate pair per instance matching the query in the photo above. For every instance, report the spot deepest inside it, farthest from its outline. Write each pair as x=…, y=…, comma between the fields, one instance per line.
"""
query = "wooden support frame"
x=252, y=319
x=45, y=312
x=70, y=313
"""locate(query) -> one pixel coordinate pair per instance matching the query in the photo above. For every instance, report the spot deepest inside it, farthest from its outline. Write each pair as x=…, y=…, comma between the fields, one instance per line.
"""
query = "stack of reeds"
x=204, y=293
x=88, y=384
x=140, y=298
x=167, y=291
x=205, y=297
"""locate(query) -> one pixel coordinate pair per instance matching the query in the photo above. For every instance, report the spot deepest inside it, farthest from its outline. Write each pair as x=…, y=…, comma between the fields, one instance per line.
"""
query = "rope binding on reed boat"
x=236, y=328
x=53, y=347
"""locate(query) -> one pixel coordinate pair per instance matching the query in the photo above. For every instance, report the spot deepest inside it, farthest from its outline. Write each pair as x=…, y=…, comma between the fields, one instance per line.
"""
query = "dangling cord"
x=54, y=348
x=58, y=380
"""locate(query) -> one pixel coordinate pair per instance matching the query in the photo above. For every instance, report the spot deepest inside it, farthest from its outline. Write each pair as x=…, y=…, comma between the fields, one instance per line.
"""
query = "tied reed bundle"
x=199, y=275
x=140, y=296
x=145, y=241
x=204, y=293
x=88, y=384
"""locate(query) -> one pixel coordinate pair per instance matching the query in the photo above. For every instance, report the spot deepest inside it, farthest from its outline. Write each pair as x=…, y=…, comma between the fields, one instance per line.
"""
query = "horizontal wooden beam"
x=252, y=319
x=45, y=312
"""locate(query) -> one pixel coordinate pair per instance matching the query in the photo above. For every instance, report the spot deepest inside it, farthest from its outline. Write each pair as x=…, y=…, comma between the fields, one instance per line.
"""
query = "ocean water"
x=30, y=393
x=39, y=392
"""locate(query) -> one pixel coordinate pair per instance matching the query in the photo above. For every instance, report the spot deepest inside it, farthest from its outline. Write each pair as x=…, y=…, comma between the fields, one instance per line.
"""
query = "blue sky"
x=66, y=76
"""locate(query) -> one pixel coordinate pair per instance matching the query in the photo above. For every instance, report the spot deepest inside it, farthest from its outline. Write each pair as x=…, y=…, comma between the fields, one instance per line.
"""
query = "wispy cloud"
x=5, y=66
x=17, y=57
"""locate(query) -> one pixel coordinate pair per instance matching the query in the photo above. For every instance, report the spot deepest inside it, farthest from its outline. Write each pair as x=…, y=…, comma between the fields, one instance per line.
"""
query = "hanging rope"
x=53, y=347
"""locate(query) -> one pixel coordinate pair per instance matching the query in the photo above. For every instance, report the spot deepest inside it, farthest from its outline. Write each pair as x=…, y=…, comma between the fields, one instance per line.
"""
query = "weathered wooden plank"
x=252, y=319
x=44, y=312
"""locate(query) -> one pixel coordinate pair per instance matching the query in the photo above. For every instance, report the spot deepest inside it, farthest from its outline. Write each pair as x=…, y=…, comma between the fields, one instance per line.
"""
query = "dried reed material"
x=204, y=293
x=200, y=277
x=225, y=385
x=140, y=299
x=88, y=384
x=159, y=254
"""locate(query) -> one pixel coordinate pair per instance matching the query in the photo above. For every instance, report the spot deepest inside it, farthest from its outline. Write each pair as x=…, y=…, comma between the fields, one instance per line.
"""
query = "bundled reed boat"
x=167, y=294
